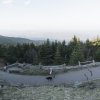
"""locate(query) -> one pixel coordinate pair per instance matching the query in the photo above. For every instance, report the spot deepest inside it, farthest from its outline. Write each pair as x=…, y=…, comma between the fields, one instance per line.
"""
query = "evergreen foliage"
x=97, y=54
x=51, y=53
x=58, y=58
x=77, y=55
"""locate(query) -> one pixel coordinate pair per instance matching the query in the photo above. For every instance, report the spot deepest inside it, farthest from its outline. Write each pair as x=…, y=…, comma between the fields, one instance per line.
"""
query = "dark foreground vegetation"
x=51, y=53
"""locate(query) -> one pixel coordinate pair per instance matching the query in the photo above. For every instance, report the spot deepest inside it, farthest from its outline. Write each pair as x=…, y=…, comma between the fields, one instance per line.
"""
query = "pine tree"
x=97, y=54
x=77, y=55
x=46, y=53
x=58, y=58
x=31, y=57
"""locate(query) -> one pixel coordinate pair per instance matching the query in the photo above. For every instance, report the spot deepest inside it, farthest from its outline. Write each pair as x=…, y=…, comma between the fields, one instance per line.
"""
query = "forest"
x=52, y=52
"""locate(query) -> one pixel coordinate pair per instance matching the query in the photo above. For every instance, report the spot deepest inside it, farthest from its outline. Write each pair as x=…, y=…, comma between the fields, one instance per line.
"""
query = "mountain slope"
x=14, y=41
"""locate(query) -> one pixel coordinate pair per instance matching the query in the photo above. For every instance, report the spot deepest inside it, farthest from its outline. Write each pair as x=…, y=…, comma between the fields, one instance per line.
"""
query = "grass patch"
x=50, y=93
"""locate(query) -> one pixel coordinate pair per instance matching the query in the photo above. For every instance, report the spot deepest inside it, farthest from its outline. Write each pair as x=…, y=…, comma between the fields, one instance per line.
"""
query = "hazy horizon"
x=39, y=35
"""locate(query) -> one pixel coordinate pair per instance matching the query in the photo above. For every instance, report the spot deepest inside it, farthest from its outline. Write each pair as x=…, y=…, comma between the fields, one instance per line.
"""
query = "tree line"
x=52, y=52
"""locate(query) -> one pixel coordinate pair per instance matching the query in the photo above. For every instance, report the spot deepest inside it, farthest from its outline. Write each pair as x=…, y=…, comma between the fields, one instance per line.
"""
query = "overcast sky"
x=50, y=18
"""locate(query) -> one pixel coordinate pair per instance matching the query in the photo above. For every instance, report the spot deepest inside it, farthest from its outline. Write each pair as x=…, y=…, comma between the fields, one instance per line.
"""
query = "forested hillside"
x=14, y=41
x=52, y=53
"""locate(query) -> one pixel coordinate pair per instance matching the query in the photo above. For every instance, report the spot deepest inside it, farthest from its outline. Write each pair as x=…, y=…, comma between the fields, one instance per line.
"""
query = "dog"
x=49, y=78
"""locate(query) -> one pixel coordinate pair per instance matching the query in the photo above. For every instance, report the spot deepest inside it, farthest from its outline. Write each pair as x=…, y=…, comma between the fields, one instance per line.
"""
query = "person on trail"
x=50, y=71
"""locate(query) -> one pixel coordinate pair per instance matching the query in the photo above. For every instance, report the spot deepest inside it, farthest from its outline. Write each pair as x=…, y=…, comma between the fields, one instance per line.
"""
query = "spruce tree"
x=58, y=58
x=77, y=55
x=97, y=54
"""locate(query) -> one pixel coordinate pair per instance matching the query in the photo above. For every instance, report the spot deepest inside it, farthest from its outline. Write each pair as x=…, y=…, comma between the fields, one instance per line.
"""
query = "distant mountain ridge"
x=15, y=40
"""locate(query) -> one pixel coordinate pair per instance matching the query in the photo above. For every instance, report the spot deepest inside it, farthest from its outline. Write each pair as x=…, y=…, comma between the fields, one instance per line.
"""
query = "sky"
x=55, y=19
